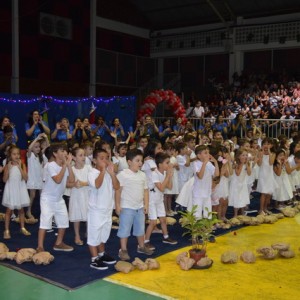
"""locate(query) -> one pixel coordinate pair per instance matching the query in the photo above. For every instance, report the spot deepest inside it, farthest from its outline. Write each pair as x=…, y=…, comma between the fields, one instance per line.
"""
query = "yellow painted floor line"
x=277, y=279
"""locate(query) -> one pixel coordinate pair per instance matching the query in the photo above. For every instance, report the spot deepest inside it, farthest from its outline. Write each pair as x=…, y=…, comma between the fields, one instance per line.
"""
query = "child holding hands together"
x=57, y=173
x=15, y=194
x=205, y=168
x=162, y=179
x=102, y=181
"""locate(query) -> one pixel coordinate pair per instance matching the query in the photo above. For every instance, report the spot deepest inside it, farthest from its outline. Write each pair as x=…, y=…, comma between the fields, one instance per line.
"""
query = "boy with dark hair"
x=205, y=168
x=56, y=175
x=162, y=179
x=132, y=203
x=102, y=181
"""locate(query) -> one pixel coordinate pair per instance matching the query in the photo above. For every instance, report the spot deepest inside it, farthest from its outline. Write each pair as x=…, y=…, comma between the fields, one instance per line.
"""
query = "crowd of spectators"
x=269, y=100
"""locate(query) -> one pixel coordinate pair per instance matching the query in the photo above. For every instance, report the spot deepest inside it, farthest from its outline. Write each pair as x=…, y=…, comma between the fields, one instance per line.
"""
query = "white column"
x=93, y=30
x=15, y=48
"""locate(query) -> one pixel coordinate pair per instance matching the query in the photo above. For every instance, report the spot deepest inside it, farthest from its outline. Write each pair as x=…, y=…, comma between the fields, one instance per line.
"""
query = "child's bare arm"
x=6, y=171
x=111, y=172
x=146, y=201
x=23, y=171
x=167, y=183
x=118, y=201
x=217, y=170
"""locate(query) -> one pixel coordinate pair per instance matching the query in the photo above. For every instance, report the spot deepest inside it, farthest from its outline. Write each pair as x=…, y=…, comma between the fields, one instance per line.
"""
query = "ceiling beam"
x=213, y=7
x=230, y=10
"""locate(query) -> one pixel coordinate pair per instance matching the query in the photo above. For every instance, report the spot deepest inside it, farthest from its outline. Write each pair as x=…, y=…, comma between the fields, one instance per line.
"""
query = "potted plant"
x=200, y=231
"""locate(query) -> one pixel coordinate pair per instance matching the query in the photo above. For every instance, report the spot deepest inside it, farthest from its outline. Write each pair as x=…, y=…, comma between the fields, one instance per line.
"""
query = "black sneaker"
x=98, y=264
x=169, y=241
x=108, y=259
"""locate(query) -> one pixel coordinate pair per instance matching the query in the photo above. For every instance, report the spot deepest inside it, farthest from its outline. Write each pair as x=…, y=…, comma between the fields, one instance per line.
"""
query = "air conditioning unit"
x=55, y=26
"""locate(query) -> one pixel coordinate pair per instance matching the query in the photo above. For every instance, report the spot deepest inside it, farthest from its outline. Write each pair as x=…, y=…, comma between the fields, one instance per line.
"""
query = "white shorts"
x=156, y=210
x=203, y=206
x=99, y=223
x=56, y=209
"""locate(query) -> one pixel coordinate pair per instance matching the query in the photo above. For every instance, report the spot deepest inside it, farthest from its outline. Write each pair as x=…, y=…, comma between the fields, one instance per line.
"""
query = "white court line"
x=138, y=288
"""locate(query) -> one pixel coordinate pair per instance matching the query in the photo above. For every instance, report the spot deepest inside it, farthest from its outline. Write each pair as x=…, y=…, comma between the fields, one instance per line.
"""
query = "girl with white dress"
x=284, y=191
x=294, y=164
x=119, y=157
x=36, y=160
x=221, y=191
x=15, y=195
x=238, y=190
x=266, y=182
x=79, y=194
x=174, y=191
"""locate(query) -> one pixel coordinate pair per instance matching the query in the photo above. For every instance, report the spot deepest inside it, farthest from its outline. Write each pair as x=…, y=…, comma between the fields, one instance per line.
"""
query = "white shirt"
x=157, y=196
x=103, y=197
x=148, y=166
x=202, y=187
x=199, y=112
x=52, y=190
x=183, y=172
x=133, y=186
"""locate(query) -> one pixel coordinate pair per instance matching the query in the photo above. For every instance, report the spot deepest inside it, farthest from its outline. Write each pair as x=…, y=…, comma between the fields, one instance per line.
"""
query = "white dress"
x=79, y=197
x=284, y=191
x=175, y=186
x=15, y=195
x=185, y=197
x=294, y=177
x=238, y=190
x=266, y=183
x=35, y=172
x=222, y=189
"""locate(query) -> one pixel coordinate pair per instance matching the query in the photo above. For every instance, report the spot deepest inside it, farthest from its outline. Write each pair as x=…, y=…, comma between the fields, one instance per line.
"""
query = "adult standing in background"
x=35, y=126
x=5, y=121
x=199, y=110
x=100, y=129
x=63, y=131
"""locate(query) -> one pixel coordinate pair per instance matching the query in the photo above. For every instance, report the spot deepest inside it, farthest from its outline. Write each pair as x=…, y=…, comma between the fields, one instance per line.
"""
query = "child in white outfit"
x=204, y=171
x=15, y=195
x=57, y=173
x=161, y=178
x=102, y=181
x=132, y=203
x=79, y=192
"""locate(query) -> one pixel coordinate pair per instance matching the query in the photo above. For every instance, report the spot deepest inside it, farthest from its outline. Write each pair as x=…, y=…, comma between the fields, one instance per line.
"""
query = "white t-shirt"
x=88, y=160
x=157, y=196
x=133, y=186
x=122, y=163
x=51, y=190
x=103, y=197
x=191, y=167
x=202, y=187
x=183, y=172
x=149, y=166
x=199, y=112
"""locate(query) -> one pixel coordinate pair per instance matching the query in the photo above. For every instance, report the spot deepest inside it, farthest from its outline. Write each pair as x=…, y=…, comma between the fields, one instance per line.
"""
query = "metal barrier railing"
x=270, y=127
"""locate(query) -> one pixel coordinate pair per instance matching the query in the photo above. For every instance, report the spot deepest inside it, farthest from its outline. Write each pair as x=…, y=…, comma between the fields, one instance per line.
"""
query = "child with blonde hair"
x=238, y=190
x=15, y=195
x=266, y=182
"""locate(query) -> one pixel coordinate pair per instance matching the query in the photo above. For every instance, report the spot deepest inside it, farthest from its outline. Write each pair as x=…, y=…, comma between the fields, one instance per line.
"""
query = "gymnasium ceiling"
x=165, y=14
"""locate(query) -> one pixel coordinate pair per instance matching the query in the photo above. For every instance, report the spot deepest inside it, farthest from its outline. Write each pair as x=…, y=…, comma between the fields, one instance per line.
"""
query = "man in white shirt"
x=199, y=110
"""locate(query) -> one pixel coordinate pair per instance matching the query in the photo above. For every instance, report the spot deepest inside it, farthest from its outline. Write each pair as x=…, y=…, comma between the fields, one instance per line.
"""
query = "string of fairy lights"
x=49, y=99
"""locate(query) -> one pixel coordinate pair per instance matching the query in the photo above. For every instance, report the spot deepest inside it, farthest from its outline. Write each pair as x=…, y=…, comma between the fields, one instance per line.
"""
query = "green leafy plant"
x=199, y=229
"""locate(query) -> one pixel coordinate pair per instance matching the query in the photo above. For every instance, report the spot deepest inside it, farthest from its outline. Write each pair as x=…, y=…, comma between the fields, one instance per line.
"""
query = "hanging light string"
x=50, y=99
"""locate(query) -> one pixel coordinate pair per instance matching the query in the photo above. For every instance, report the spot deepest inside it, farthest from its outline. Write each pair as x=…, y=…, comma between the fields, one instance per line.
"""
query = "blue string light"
x=44, y=98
